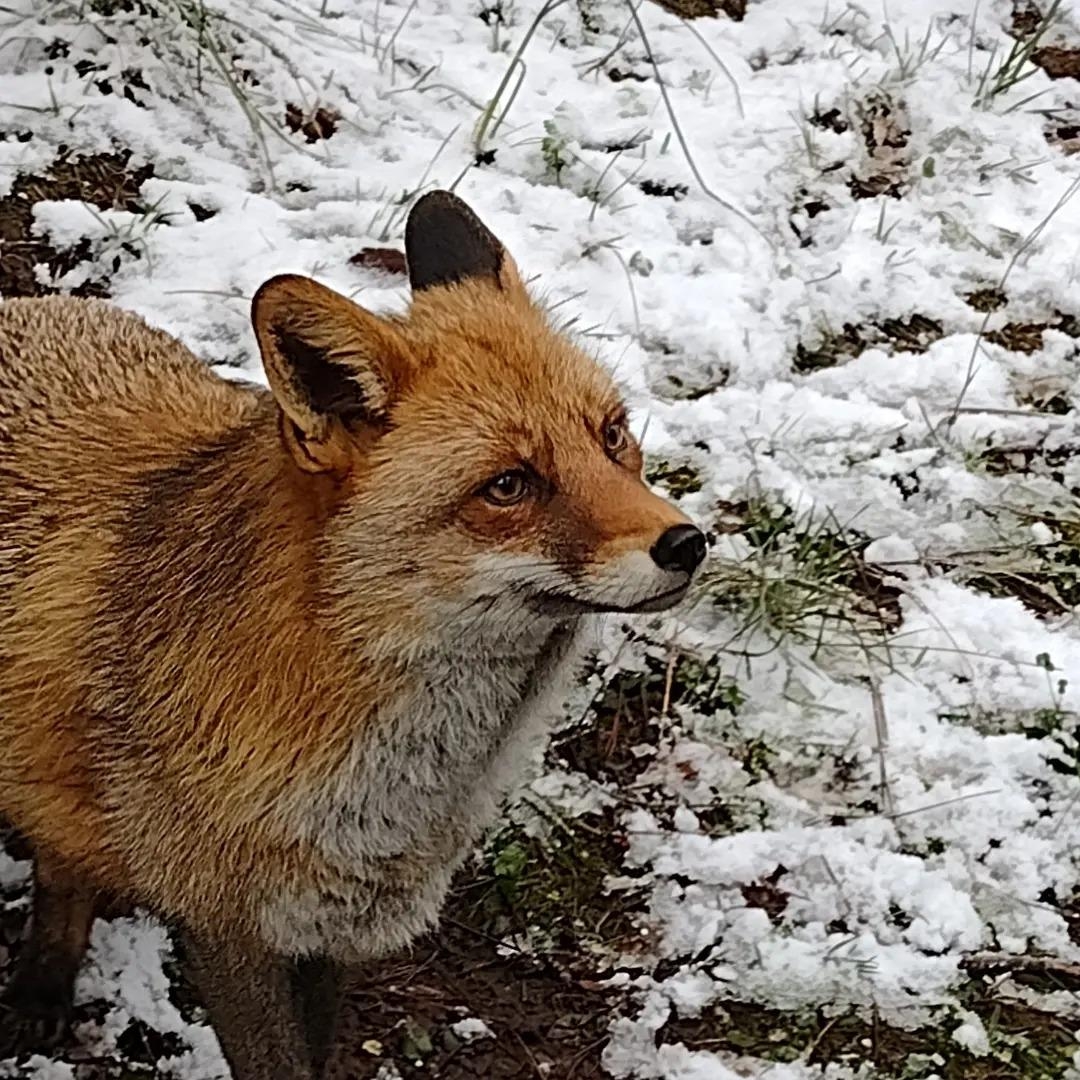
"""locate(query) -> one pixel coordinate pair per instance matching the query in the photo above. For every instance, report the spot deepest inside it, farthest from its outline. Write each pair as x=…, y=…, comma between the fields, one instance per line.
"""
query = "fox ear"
x=332, y=366
x=446, y=243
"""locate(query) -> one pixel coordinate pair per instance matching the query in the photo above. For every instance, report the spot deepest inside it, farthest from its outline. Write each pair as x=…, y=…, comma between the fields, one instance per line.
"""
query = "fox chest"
x=417, y=791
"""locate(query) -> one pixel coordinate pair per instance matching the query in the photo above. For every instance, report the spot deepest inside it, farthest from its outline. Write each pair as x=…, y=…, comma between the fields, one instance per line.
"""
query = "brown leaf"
x=885, y=130
x=388, y=260
x=1058, y=62
x=318, y=124
x=767, y=895
x=697, y=9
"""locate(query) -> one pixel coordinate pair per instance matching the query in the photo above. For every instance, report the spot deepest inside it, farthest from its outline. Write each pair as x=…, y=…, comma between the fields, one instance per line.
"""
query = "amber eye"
x=615, y=437
x=507, y=488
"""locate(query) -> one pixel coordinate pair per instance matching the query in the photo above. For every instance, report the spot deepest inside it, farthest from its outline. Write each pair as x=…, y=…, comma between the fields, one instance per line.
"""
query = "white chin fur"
x=624, y=583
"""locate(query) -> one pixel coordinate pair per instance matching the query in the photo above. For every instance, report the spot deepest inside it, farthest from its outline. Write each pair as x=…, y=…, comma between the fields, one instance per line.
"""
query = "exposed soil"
x=1026, y=1042
x=1064, y=135
x=106, y=181
x=545, y=1022
x=830, y=350
x=886, y=130
x=1033, y=459
x=914, y=334
x=1026, y=18
x=387, y=260
x=1028, y=337
x=1058, y=61
x=988, y=298
x=698, y=9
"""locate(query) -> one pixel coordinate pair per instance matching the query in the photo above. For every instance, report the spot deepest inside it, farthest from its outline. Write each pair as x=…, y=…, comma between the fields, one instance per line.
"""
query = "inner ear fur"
x=332, y=366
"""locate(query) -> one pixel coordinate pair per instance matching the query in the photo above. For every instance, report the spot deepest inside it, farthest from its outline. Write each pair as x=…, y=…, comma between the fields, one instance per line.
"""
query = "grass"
x=636, y=706
x=912, y=55
x=388, y=222
x=999, y=77
x=196, y=47
x=553, y=149
x=548, y=880
x=131, y=238
x=488, y=124
x=1023, y=245
x=801, y=579
x=498, y=106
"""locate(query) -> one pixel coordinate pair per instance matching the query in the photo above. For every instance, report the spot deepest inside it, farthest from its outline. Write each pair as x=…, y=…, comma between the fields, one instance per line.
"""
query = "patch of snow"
x=471, y=1028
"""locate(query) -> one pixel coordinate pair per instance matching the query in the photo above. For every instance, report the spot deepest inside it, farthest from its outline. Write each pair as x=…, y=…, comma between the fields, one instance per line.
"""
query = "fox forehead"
x=506, y=388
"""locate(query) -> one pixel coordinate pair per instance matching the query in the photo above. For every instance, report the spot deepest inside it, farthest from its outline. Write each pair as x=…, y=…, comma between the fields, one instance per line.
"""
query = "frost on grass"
x=833, y=258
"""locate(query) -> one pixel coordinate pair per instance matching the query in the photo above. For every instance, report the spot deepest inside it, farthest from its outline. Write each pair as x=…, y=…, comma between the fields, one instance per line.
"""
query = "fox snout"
x=679, y=549
x=642, y=574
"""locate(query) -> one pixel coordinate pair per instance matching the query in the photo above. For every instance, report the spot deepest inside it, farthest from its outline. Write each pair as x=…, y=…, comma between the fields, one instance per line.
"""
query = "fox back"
x=270, y=658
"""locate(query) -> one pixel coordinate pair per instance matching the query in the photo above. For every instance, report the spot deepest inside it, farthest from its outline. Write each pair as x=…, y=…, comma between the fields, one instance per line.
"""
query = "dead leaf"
x=388, y=260
x=318, y=124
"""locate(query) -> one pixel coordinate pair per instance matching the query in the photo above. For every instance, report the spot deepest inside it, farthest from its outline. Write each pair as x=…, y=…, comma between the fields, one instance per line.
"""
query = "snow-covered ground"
x=836, y=265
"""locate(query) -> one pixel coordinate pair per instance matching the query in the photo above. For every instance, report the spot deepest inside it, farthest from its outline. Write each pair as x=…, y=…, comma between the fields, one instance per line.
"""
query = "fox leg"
x=36, y=1006
x=317, y=981
x=249, y=994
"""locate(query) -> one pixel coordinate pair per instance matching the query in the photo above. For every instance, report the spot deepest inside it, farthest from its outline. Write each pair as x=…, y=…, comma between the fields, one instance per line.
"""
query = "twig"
x=881, y=728
x=993, y=963
x=720, y=64
x=669, y=678
x=730, y=207
x=1028, y=240
x=486, y=117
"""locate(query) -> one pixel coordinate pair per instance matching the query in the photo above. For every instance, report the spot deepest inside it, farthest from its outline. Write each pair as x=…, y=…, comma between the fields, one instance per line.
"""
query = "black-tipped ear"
x=445, y=243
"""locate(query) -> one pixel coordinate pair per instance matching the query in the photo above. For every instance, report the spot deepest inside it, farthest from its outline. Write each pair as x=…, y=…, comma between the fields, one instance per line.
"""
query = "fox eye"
x=507, y=488
x=615, y=436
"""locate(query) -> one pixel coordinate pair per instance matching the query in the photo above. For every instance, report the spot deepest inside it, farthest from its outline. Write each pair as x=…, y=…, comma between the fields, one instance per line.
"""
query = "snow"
x=472, y=1027
x=699, y=310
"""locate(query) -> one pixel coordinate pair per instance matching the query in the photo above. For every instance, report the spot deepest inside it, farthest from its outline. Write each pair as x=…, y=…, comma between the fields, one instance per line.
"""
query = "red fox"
x=269, y=660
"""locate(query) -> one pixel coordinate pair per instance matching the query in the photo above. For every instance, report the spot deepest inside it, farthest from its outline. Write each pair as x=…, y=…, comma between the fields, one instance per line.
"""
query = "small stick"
x=991, y=963
x=669, y=678
x=881, y=726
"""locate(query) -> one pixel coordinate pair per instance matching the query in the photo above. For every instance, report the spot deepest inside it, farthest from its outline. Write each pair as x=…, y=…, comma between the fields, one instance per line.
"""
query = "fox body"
x=269, y=660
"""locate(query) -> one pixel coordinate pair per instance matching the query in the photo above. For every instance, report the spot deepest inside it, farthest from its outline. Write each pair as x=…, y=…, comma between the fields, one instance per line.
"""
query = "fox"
x=272, y=656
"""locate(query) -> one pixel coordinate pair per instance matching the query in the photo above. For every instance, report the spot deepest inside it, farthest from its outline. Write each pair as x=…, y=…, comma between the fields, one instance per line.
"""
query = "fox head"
x=480, y=467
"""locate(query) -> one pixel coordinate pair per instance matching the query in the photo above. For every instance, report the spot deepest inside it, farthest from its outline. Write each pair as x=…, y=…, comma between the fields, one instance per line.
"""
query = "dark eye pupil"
x=508, y=487
x=614, y=436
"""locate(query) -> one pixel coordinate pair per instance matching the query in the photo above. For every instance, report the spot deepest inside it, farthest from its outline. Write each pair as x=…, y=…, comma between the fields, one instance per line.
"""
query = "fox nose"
x=682, y=547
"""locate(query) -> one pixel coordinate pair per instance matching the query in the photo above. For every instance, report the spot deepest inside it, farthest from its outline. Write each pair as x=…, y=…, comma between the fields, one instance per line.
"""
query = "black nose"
x=682, y=547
